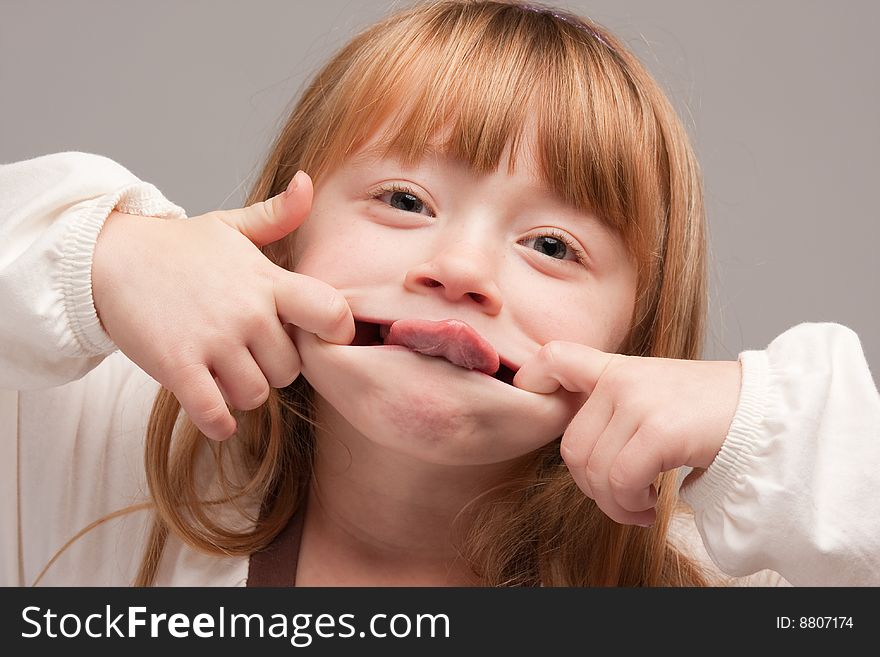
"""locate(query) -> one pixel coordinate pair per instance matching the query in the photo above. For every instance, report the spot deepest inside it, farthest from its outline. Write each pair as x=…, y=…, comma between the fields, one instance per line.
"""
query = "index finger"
x=314, y=306
x=576, y=367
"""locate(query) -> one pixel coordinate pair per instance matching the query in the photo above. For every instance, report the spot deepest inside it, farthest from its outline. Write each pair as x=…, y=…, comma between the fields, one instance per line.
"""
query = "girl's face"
x=437, y=242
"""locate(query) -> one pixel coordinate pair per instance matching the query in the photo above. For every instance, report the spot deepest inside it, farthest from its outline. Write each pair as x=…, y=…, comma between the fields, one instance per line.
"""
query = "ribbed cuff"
x=78, y=250
x=145, y=200
x=738, y=449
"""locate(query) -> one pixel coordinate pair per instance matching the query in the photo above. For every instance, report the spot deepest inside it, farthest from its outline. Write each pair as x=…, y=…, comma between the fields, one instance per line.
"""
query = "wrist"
x=117, y=231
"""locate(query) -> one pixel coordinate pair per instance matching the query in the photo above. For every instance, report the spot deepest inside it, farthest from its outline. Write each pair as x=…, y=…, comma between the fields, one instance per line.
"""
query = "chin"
x=429, y=409
x=430, y=428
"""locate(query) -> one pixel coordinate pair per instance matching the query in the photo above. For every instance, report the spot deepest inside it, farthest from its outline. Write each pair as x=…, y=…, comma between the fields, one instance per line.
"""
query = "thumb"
x=575, y=367
x=270, y=220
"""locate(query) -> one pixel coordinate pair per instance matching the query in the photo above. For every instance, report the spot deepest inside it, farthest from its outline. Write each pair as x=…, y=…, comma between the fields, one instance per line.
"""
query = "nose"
x=458, y=273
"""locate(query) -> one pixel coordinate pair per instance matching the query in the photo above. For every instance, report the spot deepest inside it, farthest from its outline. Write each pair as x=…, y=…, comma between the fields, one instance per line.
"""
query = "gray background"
x=780, y=97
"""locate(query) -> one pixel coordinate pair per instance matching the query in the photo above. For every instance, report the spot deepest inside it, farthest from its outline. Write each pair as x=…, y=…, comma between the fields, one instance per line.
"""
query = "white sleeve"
x=70, y=443
x=794, y=488
x=51, y=211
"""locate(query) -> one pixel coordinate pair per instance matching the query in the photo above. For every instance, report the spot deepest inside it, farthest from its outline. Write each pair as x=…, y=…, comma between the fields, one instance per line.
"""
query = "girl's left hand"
x=643, y=416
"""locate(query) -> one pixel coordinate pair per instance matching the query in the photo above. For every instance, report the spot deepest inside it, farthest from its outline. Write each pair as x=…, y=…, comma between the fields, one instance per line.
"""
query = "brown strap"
x=275, y=564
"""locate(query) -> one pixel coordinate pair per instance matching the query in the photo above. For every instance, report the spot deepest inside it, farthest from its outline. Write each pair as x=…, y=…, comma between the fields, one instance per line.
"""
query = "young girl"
x=460, y=351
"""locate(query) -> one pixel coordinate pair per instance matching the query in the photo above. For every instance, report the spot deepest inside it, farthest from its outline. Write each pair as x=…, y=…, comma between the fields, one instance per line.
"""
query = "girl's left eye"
x=556, y=244
x=402, y=198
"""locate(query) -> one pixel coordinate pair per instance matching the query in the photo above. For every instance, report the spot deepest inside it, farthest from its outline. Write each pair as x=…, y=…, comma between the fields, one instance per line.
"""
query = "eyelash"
x=565, y=239
x=396, y=187
x=546, y=232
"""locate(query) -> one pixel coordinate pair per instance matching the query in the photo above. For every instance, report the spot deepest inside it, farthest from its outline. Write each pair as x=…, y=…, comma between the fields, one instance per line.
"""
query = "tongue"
x=451, y=339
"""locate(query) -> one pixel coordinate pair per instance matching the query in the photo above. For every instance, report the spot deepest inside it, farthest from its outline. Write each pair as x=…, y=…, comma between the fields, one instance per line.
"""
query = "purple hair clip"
x=568, y=18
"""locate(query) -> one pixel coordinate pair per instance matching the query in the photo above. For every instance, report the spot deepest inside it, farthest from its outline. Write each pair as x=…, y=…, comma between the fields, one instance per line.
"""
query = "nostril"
x=481, y=299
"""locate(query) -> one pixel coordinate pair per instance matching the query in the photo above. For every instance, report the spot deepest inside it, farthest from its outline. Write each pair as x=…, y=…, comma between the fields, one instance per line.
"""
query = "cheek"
x=319, y=263
x=344, y=254
x=333, y=256
x=595, y=317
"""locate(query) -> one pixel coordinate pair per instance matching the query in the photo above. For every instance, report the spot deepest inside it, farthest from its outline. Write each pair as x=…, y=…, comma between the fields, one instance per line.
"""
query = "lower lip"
x=398, y=347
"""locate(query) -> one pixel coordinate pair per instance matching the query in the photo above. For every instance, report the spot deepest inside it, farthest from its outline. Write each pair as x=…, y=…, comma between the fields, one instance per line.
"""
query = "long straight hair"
x=476, y=73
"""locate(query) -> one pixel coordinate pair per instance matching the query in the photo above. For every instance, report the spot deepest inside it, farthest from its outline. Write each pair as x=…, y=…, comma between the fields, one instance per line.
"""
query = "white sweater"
x=793, y=490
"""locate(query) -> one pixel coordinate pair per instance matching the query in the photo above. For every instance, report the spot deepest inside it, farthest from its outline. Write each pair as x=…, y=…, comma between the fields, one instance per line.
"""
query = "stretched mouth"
x=372, y=334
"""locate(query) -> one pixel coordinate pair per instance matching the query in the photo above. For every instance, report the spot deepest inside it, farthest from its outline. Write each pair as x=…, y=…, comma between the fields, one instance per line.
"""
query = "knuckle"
x=294, y=368
x=551, y=353
x=571, y=455
x=652, y=431
x=223, y=345
x=282, y=381
x=337, y=308
x=619, y=477
x=595, y=474
x=262, y=210
x=550, y=356
x=257, y=321
x=213, y=416
x=617, y=376
x=178, y=362
x=256, y=397
x=293, y=376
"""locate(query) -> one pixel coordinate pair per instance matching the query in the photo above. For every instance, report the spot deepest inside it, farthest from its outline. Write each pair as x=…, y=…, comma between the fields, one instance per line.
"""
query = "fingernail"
x=294, y=183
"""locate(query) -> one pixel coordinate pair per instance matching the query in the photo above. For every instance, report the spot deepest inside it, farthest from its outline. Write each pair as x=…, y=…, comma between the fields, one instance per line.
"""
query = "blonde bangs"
x=471, y=80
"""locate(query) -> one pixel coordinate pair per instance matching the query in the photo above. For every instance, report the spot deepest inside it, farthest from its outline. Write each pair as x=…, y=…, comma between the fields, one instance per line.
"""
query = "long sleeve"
x=51, y=211
x=73, y=409
x=62, y=431
x=794, y=487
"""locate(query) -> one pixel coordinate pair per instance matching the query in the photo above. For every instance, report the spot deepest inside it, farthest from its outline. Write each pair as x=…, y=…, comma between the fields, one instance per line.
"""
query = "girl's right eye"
x=401, y=197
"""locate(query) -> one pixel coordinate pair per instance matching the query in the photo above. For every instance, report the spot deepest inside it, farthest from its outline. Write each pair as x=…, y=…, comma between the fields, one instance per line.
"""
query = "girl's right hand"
x=198, y=307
